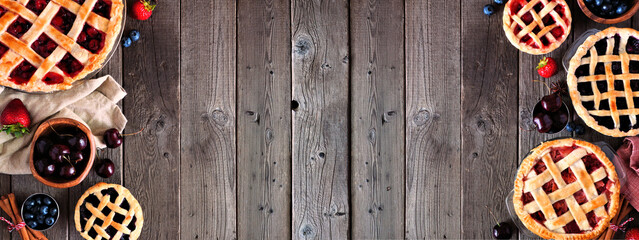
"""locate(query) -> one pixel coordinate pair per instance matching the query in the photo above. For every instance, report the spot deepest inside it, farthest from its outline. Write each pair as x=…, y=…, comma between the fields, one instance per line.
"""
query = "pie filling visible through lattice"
x=603, y=78
x=566, y=187
x=46, y=45
x=537, y=26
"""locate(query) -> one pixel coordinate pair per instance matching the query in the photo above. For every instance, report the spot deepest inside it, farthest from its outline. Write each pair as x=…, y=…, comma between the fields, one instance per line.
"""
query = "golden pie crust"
x=527, y=177
x=20, y=48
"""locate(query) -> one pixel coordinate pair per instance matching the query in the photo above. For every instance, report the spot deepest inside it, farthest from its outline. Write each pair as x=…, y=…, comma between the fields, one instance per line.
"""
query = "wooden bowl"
x=45, y=129
x=634, y=6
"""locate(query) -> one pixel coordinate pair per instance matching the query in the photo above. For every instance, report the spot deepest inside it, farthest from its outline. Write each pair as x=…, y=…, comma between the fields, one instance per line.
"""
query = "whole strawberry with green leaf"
x=547, y=67
x=142, y=9
x=15, y=118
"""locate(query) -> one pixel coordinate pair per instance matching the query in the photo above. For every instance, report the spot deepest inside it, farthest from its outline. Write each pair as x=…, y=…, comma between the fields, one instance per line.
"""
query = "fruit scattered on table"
x=580, y=129
x=607, y=8
x=500, y=2
x=112, y=138
x=60, y=154
x=489, y=9
x=547, y=67
x=15, y=118
x=502, y=230
x=142, y=9
x=106, y=168
x=40, y=212
x=570, y=126
x=126, y=42
x=134, y=35
x=632, y=234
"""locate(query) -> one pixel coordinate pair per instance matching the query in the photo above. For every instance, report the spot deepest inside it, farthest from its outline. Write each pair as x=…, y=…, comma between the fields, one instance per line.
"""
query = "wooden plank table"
x=315, y=119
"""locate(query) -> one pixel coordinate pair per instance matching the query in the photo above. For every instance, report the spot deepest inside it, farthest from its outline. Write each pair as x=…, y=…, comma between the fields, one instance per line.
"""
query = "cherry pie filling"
x=37, y=6
x=91, y=39
x=22, y=73
x=63, y=20
x=44, y=46
x=528, y=18
x=69, y=65
x=586, y=88
x=85, y=214
x=19, y=27
x=592, y=163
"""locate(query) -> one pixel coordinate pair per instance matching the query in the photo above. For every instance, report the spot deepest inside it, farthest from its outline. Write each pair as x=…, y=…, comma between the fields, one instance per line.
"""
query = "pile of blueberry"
x=40, y=212
x=62, y=154
x=607, y=8
x=134, y=36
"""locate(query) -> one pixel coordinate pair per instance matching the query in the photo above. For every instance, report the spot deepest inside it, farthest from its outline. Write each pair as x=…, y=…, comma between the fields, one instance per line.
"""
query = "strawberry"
x=632, y=234
x=142, y=9
x=547, y=67
x=15, y=118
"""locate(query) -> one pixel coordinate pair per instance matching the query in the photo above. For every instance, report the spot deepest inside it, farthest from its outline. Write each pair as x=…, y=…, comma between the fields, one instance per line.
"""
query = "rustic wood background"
x=313, y=119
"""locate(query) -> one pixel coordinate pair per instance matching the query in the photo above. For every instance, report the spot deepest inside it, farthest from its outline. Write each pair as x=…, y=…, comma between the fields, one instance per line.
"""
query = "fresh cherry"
x=105, y=169
x=551, y=102
x=78, y=141
x=67, y=171
x=58, y=152
x=502, y=230
x=560, y=119
x=42, y=145
x=76, y=157
x=112, y=138
x=543, y=121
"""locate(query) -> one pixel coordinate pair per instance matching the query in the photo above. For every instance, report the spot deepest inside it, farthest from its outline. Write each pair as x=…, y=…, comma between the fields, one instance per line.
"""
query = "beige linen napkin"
x=92, y=102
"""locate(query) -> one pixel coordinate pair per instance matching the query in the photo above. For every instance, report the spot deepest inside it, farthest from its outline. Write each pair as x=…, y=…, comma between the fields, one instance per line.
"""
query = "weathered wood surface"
x=377, y=119
x=264, y=120
x=320, y=149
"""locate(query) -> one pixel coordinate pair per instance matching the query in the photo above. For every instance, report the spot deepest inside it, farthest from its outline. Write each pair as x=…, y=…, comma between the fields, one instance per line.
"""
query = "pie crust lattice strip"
x=44, y=49
x=566, y=189
x=537, y=26
x=603, y=78
x=108, y=211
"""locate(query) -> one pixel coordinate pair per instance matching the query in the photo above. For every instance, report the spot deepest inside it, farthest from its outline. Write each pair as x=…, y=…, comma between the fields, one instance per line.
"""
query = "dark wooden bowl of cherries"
x=62, y=152
x=550, y=114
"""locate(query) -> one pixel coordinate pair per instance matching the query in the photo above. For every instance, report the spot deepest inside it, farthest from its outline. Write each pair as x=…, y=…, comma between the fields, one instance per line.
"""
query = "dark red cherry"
x=112, y=138
x=105, y=169
x=67, y=171
x=42, y=145
x=543, y=121
x=560, y=119
x=502, y=230
x=58, y=151
x=76, y=157
x=78, y=141
x=551, y=102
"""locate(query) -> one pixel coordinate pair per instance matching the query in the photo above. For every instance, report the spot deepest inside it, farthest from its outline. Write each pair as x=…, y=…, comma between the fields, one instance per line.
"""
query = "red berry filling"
x=21, y=74
x=527, y=18
x=539, y=167
x=572, y=227
x=79, y=1
x=3, y=49
x=580, y=196
x=37, y=6
x=19, y=27
x=2, y=11
x=539, y=217
x=44, y=45
x=103, y=8
x=91, y=39
x=592, y=219
x=550, y=186
x=53, y=78
x=560, y=207
x=592, y=163
x=560, y=153
x=63, y=20
x=527, y=198
x=70, y=66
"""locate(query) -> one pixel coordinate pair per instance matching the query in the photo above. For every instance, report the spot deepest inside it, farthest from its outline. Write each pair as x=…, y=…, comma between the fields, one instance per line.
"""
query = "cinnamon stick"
x=12, y=202
x=6, y=206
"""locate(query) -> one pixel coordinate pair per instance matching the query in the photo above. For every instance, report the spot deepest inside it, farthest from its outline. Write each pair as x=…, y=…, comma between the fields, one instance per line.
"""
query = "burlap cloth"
x=92, y=102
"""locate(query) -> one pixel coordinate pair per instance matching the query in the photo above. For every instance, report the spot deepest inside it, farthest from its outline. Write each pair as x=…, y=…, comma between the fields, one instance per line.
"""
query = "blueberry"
x=588, y=1
x=44, y=210
x=580, y=129
x=29, y=208
x=38, y=200
x=28, y=216
x=135, y=35
x=621, y=9
x=47, y=201
x=570, y=126
x=499, y=2
x=598, y=3
x=489, y=9
x=29, y=202
x=53, y=211
x=40, y=219
x=49, y=221
x=32, y=224
x=126, y=42
x=606, y=8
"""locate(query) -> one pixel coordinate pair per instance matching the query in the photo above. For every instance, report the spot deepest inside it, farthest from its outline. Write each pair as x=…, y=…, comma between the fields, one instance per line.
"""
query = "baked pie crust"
x=108, y=211
x=566, y=184
x=537, y=26
x=612, y=67
x=46, y=45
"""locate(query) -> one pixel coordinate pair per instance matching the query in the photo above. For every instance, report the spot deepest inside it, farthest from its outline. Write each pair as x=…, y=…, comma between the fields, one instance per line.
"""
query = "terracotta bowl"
x=634, y=6
x=45, y=129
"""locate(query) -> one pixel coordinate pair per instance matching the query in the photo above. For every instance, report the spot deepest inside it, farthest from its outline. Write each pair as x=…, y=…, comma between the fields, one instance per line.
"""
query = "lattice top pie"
x=566, y=189
x=537, y=26
x=108, y=211
x=603, y=79
x=46, y=45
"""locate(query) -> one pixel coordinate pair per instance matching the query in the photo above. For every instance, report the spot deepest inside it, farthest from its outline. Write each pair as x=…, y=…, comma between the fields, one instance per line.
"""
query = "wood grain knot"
x=372, y=135
x=421, y=117
x=294, y=105
x=269, y=135
x=307, y=231
x=321, y=155
x=302, y=46
x=219, y=117
x=345, y=59
x=388, y=116
x=253, y=116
